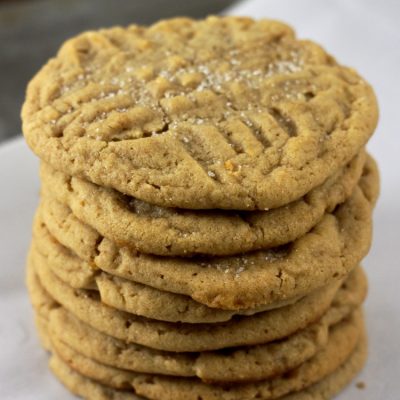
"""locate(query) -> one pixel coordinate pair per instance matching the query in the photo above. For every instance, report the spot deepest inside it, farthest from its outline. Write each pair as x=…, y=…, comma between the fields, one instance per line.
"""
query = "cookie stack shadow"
x=137, y=298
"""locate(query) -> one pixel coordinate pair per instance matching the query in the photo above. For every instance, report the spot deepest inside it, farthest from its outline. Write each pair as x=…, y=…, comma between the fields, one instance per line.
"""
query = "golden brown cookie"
x=231, y=365
x=165, y=231
x=130, y=296
x=330, y=250
x=224, y=112
x=335, y=382
x=342, y=342
x=322, y=390
x=244, y=364
x=257, y=329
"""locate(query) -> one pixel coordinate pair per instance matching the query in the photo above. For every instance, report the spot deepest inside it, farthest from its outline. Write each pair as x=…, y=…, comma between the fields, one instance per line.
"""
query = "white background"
x=362, y=33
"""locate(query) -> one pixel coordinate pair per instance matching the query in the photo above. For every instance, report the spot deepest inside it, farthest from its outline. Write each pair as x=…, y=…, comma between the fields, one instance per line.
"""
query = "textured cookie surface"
x=330, y=250
x=260, y=328
x=330, y=386
x=342, y=342
x=242, y=364
x=130, y=296
x=164, y=231
x=322, y=390
x=219, y=113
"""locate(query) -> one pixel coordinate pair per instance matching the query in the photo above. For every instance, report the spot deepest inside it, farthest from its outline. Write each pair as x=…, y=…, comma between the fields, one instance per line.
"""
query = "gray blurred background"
x=32, y=30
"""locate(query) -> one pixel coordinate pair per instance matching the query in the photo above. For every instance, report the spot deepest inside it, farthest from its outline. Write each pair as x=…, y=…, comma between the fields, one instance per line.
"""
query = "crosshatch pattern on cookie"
x=221, y=113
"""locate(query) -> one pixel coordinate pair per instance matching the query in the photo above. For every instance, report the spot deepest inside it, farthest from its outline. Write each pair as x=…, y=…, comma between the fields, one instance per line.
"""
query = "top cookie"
x=220, y=113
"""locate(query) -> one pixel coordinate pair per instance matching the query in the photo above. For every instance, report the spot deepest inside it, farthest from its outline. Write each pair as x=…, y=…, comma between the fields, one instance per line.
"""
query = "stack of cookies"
x=206, y=202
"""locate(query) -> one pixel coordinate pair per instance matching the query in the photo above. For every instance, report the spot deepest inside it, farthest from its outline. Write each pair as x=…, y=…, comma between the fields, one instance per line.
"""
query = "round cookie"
x=322, y=390
x=342, y=342
x=257, y=329
x=85, y=387
x=77, y=273
x=224, y=112
x=335, y=382
x=243, y=364
x=41, y=324
x=41, y=301
x=333, y=247
x=251, y=363
x=165, y=231
x=127, y=295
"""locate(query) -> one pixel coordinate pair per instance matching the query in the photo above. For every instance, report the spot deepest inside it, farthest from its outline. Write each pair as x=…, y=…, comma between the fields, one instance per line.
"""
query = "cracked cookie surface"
x=220, y=113
x=243, y=364
x=342, y=342
x=130, y=296
x=165, y=231
x=329, y=251
x=244, y=331
x=325, y=389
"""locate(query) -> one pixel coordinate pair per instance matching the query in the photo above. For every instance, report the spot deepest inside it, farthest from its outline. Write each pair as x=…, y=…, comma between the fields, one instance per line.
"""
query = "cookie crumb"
x=360, y=385
x=229, y=165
